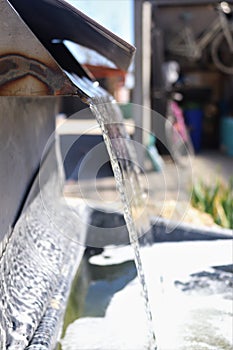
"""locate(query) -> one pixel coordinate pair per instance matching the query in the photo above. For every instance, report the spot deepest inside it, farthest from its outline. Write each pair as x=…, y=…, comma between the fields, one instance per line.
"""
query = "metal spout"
x=30, y=62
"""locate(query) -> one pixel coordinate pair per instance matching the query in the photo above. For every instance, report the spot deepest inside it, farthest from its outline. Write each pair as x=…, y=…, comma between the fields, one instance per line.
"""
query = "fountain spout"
x=55, y=19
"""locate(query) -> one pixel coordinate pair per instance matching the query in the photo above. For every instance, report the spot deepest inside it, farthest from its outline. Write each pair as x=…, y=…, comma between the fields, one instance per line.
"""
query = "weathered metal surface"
x=31, y=60
x=26, y=67
x=26, y=125
x=15, y=67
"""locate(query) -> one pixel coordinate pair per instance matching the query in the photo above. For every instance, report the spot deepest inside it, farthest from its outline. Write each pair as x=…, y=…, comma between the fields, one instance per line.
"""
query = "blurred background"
x=183, y=70
x=152, y=26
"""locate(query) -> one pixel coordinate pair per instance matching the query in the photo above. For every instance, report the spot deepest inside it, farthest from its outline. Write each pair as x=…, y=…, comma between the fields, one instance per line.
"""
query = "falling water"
x=123, y=167
x=126, y=170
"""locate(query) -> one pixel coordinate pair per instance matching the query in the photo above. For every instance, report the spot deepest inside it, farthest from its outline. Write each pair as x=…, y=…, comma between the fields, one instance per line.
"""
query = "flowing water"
x=35, y=269
x=127, y=176
x=134, y=232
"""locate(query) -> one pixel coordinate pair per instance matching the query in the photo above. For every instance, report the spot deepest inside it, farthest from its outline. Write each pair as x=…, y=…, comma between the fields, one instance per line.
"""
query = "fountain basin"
x=190, y=286
x=108, y=228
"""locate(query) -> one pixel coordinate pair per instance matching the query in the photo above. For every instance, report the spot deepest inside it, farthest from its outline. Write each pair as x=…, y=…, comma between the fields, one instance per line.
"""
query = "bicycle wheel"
x=221, y=53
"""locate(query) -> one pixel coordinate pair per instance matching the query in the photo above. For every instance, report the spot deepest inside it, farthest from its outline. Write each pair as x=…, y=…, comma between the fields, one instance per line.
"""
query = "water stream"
x=126, y=170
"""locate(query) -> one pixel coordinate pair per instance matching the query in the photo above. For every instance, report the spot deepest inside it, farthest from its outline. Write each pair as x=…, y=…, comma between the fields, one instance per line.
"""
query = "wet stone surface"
x=209, y=282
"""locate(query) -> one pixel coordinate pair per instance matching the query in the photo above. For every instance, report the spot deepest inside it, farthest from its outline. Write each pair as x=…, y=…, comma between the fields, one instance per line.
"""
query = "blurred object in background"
x=193, y=118
x=226, y=135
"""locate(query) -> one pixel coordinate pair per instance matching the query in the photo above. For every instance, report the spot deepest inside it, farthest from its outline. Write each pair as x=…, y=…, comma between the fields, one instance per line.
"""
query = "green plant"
x=216, y=200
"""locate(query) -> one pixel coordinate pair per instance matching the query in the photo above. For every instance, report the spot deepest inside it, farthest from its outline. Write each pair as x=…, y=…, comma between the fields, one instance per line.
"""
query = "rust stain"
x=32, y=87
x=14, y=67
